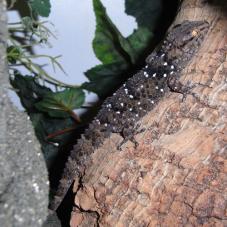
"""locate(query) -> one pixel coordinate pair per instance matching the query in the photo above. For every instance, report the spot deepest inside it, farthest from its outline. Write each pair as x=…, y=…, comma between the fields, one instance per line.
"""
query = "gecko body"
x=121, y=112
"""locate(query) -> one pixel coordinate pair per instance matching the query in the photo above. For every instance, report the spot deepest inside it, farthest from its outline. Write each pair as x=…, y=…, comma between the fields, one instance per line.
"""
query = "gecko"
x=121, y=112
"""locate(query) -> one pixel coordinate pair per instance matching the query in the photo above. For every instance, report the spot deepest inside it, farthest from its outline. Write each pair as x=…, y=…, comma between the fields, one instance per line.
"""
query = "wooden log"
x=177, y=174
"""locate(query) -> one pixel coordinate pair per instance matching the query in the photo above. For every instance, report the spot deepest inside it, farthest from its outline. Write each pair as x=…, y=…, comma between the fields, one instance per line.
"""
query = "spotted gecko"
x=121, y=112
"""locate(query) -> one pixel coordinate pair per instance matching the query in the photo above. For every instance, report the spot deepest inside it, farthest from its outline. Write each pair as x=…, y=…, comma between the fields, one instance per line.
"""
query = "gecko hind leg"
x=129, y=135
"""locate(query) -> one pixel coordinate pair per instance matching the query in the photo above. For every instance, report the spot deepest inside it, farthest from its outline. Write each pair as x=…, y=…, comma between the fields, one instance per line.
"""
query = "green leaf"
x=29, y=91
x=13, y=54
x=104, y=79
x=61, y=104
x=41, y=7
x=118, y=54
x=140, y=40
x=146, y=12
x=109, y=45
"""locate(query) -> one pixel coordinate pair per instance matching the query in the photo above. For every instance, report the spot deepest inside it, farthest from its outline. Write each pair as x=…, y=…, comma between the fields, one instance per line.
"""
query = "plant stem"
x=60, y=132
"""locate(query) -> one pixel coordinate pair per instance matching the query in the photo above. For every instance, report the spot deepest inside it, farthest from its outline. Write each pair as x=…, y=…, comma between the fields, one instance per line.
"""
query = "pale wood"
x=177, y=175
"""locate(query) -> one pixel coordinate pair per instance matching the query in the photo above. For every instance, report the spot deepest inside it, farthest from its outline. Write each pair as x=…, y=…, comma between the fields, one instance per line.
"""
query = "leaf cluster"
x=53, y=112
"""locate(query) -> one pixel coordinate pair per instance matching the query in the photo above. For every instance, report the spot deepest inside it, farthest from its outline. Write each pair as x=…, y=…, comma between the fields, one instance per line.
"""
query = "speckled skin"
x=121, y=112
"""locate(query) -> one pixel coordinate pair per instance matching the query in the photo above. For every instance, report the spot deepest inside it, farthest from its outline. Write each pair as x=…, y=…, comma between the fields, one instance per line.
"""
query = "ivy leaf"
x=104, y=79
x=118, y=54
x=61, y=104
x=140, y=40
x=41, y=7
x=146, y=12
x=109, y=45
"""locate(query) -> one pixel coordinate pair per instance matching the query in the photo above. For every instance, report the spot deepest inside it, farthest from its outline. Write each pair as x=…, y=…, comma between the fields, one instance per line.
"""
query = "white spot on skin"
x=146, y=66
x=118, y=112
x=154, y=75
x=141, y=86
x=114, y=93
x=171, y=73
x=152, y=101
x=161, y=90
x=172, y=67
x=98, y=122
x=137, y=115
x=105, y=125
x=162, y=55
x=130, y=109
x=140, y=108
x=165, y=64
x=124, y=85
x=122, y=104
x=156, y=87
x=131, y=96
x=126, y=91
x=114, y=119
x=139, y=103
x=146, y=75
x=165, y=75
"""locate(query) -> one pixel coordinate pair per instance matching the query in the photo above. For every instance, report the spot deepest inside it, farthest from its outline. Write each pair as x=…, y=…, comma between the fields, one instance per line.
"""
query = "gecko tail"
x=61, y=192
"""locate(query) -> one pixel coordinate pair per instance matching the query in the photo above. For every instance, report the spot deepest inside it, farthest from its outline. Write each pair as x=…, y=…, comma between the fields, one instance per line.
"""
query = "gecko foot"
x=130, y=137
x=176, y=86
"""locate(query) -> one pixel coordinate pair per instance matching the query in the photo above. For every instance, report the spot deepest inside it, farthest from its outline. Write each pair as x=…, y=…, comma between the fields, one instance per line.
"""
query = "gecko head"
x=184, y=40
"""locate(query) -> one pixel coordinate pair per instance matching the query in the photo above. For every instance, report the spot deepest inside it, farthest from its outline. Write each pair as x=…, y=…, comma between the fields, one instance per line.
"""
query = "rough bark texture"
x=177, y=174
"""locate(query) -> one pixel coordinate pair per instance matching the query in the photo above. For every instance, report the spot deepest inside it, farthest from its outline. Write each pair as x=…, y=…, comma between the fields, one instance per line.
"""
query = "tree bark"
x=177, y=174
